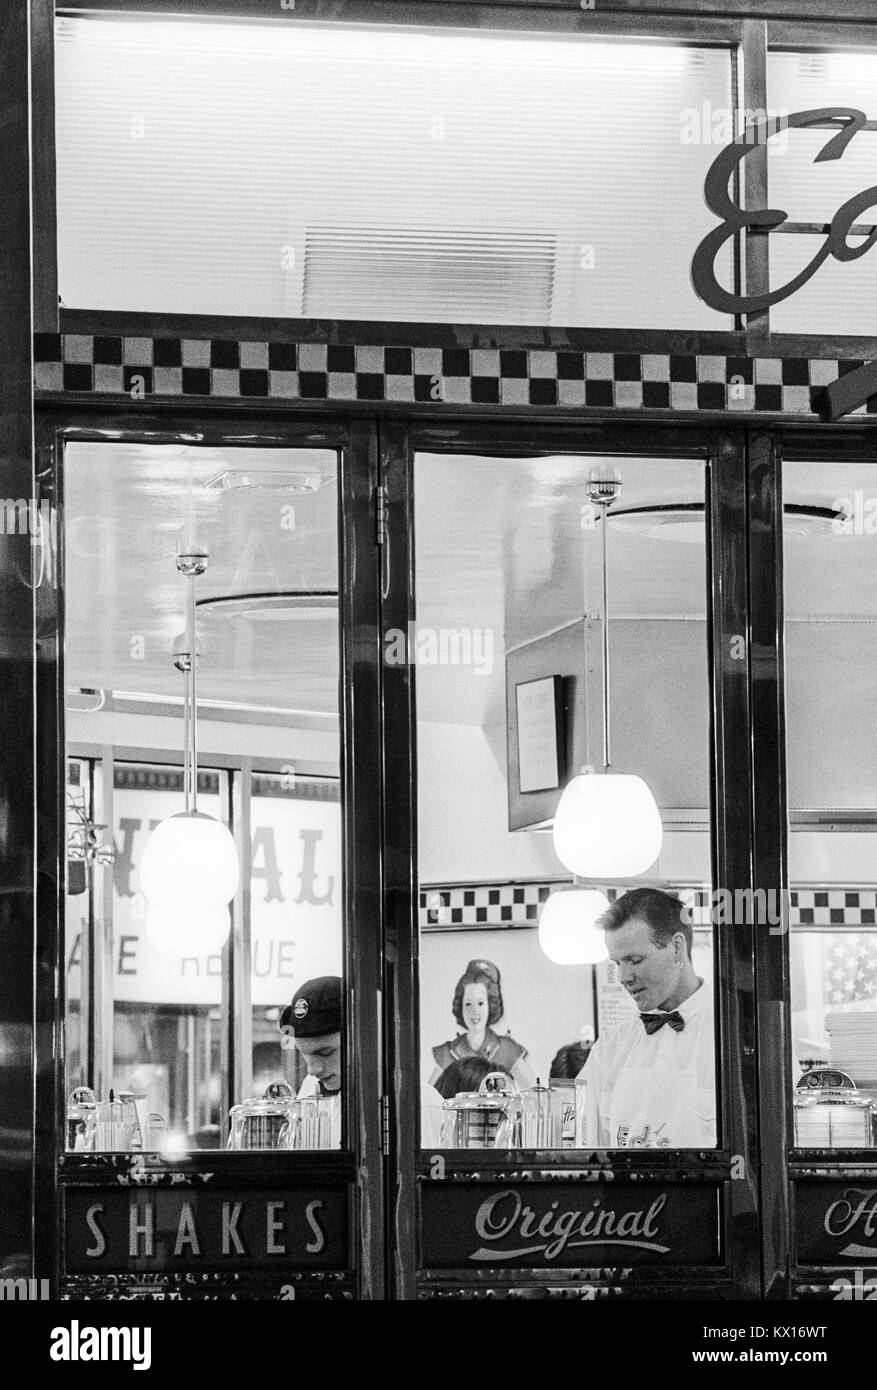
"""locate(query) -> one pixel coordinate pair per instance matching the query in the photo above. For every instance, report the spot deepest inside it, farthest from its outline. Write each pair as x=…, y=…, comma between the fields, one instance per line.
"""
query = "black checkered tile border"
x=483, y=906
x=223, y=369
x=829, y=907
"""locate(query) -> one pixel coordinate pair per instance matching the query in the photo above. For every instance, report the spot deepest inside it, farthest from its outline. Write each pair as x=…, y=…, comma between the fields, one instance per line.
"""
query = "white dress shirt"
x=653, y=1090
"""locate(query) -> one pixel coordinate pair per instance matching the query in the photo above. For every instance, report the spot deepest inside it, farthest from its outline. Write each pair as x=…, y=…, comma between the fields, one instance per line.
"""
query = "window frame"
x=412, y=1166
x=355, y=442
x=748, y=36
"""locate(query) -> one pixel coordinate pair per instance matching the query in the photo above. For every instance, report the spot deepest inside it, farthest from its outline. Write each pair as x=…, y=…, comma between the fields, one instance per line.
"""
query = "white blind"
x=353, y=172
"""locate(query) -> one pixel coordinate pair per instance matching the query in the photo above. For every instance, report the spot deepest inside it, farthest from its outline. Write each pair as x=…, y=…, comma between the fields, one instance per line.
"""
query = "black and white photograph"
x=438, y=797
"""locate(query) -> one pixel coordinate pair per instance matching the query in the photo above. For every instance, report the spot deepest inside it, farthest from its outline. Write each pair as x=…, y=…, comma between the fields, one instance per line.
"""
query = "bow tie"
x=652, y=1022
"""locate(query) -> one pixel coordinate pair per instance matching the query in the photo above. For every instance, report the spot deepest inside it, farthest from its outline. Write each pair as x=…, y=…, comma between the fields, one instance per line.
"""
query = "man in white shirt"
x=651, y=1080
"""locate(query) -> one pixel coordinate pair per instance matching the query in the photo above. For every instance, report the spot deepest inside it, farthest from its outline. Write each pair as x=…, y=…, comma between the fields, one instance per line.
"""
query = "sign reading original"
x=540, y=1225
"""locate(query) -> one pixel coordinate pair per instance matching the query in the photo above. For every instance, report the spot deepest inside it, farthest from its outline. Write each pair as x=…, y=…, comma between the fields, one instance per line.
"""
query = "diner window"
x=413, y=174
x=840, y=296
x=529, y=1035
x=196, y=1016
x=830, y=618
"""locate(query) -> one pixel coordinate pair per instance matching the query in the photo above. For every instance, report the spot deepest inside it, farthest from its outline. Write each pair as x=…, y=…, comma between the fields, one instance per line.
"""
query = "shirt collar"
x=695, y=1003
x=689, y=1007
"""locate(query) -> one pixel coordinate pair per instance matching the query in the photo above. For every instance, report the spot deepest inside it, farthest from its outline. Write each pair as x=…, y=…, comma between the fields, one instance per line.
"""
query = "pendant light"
x=607, y=824
x=568, y=933
x=189, y=871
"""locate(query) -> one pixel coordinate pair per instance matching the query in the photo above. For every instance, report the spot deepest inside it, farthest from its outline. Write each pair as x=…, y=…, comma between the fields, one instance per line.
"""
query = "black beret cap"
x=315, y=1008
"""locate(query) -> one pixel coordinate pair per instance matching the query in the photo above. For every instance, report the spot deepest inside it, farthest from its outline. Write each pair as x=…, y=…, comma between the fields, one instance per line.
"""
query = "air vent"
x=812, y=64
x=477, y=275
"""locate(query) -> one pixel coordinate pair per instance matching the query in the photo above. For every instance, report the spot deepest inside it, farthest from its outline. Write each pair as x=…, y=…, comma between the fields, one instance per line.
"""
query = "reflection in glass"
x=508, y=608
x=172, y=1028
x=830, y=600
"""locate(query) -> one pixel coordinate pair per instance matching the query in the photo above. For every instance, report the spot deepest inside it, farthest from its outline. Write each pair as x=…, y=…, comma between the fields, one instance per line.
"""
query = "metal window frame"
x=784, y=1164
x=360, y=1165
x=724, y=459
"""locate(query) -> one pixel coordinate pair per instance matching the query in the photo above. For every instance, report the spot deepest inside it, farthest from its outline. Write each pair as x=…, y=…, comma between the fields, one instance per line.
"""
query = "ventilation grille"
x=463, y=275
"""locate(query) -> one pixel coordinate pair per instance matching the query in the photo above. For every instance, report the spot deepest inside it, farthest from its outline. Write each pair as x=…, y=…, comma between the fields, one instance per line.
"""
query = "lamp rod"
x=603, y=490
x=186, y=696
x=193, y=692
x=191, y=562
x=606, y=745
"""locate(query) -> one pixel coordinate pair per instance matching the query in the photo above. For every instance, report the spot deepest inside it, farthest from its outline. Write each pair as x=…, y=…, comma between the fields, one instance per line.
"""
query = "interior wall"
x=463, y=819
x=833, y=857
x=463, y=830
x=546, y=1005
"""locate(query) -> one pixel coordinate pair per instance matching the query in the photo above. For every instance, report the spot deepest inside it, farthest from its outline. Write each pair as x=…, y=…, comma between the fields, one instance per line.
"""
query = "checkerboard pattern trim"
x=482, y=906
x=197, y=369
x=834, y=907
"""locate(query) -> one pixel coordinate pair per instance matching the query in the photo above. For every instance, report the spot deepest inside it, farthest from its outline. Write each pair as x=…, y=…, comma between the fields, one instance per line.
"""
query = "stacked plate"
x=854, y=1044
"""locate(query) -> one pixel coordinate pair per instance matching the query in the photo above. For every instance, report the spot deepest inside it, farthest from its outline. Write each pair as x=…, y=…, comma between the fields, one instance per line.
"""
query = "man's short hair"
x=664, y=913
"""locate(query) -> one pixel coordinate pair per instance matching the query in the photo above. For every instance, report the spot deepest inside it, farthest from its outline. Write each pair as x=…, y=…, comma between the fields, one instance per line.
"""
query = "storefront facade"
x=458, y=451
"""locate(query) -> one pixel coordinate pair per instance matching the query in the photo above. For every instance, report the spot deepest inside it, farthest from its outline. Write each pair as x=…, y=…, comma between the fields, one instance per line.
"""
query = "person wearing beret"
x=311, y=1023
x=476, y=1006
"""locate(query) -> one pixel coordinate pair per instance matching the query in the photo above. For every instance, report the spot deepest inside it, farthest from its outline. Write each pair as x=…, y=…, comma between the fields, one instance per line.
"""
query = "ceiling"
x=125, y=507
x=500, y=547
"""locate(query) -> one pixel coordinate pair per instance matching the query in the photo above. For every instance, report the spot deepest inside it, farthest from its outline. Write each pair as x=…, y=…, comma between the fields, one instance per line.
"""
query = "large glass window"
x=525, y=1042
x=831, y=615
x=206, y=1042
x=402, y=173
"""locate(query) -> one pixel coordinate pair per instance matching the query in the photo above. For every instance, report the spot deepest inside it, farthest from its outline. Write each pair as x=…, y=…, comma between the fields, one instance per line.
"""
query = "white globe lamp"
x=182, y=929
x=568, y=934
x=189, y=870
x=190, y=858
x=607, y=825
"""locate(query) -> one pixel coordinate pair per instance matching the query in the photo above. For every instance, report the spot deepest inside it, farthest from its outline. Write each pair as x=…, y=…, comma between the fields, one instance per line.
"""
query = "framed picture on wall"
x=539, y=718
x=546, y=724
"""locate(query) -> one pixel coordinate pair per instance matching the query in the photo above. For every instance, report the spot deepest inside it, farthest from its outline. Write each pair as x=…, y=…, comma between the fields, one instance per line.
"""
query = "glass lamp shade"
x=607, y=826
x=567, y=931
x=190, y=860
x=179, y=929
